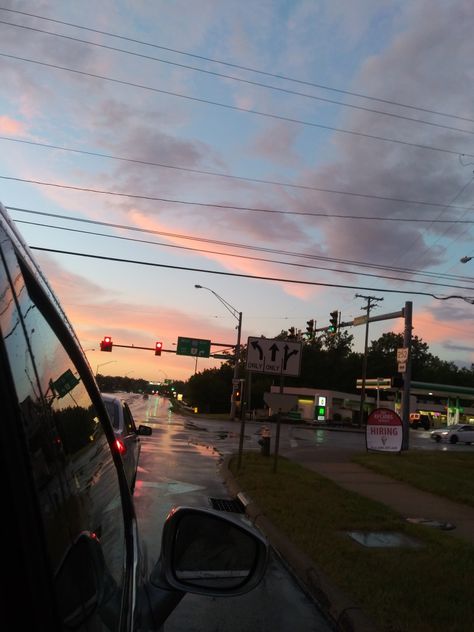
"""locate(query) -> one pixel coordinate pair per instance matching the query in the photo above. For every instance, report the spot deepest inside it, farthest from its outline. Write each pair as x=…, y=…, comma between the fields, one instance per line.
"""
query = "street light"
x=465, y=259
x=238, y=315
x=103, y=364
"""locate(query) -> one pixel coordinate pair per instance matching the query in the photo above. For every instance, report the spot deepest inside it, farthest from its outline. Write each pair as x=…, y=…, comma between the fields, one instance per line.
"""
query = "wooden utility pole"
x=371, y=302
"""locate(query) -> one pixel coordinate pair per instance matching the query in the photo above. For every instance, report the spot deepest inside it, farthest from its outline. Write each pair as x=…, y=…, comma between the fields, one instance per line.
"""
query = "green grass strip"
x=423, y=590
x=449, y=474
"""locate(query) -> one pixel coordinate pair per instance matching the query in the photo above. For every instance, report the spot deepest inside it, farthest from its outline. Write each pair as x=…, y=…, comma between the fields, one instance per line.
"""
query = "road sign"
x=402, y=354
x=281, y=402
x=377, y=382
x=384, y=431
x=359, y=320
x=279, y=357
x=402, y=367
x=65, y=383
x=193, y=347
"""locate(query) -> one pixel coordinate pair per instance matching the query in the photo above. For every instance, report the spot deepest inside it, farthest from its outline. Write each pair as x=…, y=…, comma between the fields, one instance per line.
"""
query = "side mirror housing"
x=208, y=553
x=145, y=431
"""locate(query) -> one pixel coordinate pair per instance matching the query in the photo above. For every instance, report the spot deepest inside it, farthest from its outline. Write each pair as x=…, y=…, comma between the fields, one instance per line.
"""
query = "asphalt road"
x=179, y=466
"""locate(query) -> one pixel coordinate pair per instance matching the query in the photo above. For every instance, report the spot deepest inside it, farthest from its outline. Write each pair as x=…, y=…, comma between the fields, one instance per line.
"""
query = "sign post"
x=384, y=431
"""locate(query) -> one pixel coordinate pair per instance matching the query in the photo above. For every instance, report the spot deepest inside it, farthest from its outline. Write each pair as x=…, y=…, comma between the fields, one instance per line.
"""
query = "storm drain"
x=223, y=504
x=384, y=539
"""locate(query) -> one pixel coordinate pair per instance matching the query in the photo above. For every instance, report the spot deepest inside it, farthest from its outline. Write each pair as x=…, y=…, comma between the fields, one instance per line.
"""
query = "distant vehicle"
x=419, y=420
x=462, y=433
x=75, y=560
x=127, y=434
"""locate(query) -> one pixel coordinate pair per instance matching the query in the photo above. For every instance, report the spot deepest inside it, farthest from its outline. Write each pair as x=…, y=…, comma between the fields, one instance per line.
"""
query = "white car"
x=127, y=434
x=463, y=433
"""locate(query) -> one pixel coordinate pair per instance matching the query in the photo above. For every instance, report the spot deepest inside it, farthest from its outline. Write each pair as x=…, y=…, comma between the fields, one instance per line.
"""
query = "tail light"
x=121, y=447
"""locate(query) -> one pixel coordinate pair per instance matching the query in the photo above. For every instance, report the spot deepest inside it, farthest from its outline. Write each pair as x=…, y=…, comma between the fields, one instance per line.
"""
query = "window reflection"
x=70, y=455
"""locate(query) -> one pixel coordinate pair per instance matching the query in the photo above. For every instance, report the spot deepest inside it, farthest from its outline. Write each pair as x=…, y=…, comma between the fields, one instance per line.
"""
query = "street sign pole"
x=277, y=438
x=408, y=311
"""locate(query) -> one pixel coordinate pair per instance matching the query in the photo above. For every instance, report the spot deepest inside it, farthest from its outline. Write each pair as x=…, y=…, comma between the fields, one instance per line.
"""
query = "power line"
x=245, y=68
x=236, y=108
x=231, y=244
x=240, y=79
x=249, y=276
x=252, y=208
x=323, y=213
x=246, y=257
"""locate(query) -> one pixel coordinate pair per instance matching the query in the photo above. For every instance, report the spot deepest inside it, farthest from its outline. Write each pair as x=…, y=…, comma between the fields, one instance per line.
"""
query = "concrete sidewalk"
x=452, y=519
x=409, y=502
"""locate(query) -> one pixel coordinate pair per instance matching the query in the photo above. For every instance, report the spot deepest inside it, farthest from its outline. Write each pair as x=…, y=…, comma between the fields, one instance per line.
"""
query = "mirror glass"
x=211, y=553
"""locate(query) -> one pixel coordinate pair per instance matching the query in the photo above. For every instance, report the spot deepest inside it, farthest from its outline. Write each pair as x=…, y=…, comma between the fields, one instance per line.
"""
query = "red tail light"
x=121, y=447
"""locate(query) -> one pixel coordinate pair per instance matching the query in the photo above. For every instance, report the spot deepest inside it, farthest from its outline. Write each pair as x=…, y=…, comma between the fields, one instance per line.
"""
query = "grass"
x=424, y=590
x=447, y=474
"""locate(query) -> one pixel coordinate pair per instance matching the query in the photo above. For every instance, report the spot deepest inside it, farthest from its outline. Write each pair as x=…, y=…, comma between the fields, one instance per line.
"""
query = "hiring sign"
x=384, y=431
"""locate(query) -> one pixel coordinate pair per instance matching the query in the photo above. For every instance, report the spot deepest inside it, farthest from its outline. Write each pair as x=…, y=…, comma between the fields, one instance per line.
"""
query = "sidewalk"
x=408, y=501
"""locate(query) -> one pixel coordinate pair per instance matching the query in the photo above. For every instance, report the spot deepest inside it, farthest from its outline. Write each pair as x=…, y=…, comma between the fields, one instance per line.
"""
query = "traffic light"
x=333, y=318
x=237, y=395
x=158, y=348
x=106, y=344
x=310, y=326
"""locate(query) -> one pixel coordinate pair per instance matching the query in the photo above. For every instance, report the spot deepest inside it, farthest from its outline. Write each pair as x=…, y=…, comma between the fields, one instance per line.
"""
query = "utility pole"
x=371, y=302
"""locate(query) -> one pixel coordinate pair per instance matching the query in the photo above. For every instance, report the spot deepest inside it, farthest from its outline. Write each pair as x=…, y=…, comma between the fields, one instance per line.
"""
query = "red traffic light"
x=158, y=348
x=106, y=344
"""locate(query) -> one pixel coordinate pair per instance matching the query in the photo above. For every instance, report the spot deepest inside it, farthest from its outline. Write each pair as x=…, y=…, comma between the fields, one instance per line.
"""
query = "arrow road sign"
x=279, y=357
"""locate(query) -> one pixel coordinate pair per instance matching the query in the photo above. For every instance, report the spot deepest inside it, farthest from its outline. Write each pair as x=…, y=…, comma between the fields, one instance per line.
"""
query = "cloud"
x=10, y=126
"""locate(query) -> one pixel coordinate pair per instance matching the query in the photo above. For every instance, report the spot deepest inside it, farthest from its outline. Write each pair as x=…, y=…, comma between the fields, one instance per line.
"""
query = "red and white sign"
x=384, y=431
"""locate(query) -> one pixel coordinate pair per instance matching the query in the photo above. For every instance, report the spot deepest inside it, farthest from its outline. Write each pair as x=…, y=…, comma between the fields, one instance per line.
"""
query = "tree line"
x=328, y=362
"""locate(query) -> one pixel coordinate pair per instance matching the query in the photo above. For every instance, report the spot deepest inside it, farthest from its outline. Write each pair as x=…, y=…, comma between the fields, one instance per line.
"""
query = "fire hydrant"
x=264, y=441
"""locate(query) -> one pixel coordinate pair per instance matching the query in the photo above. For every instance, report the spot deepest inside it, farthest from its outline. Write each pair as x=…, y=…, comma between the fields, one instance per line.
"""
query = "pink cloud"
x=11, y=126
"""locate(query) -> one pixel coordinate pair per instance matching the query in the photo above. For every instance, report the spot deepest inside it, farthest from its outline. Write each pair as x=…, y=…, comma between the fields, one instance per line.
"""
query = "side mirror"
x=207, y=553
x=145, y=431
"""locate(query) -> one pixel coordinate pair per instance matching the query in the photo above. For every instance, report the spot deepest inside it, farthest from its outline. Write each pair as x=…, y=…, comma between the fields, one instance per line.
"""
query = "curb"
x=344, y=613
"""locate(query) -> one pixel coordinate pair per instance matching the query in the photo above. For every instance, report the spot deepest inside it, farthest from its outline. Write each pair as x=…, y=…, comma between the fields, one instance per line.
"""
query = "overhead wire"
x=207, y=240
x=246, y=257
x=242, y=67
x=323, y=213
x=246, y=208
x=240, y=79
x=250, y=276
x=236, y=108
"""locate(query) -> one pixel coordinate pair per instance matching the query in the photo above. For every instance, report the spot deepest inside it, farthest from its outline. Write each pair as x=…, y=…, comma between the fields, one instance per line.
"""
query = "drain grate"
x=223, y=504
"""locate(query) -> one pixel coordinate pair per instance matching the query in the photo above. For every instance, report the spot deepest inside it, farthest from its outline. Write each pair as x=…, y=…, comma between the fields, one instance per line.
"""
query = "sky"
x=286, y=155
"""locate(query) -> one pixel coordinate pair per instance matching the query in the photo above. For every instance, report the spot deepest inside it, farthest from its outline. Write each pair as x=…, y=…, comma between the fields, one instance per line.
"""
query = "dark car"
x=419, y=420
x=71, y=553
x=127, y=435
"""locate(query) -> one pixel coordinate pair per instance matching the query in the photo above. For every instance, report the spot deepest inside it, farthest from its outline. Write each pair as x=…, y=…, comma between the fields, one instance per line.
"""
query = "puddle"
x=384, y=540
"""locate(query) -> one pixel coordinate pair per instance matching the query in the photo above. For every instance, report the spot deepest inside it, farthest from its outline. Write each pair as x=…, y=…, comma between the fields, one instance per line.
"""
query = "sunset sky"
x=285, y=154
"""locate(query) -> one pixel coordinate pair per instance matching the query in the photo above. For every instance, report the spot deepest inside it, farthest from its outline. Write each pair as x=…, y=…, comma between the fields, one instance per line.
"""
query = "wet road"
x=178, y=466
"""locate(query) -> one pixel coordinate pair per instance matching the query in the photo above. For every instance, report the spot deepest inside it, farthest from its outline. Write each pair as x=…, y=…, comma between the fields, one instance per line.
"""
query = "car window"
x=73, y=471
x=113, y=411
x=128, y=419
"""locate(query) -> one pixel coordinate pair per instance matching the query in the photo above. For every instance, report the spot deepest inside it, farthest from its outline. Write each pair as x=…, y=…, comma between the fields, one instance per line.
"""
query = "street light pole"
x=103, y=364
x=238, y=316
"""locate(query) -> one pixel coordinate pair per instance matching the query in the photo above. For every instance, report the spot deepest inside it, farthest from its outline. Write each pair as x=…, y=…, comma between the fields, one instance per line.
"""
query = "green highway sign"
x=65, y=383
x=193, y=347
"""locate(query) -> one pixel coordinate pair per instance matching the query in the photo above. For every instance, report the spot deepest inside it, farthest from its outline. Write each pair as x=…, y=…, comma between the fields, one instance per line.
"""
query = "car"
x=74, y=557
x=127, y=435
x=462, y=433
